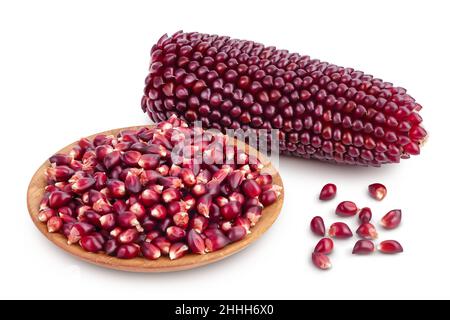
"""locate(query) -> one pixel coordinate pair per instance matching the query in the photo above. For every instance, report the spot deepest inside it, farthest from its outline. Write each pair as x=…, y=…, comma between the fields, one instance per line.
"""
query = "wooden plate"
x=163, y=264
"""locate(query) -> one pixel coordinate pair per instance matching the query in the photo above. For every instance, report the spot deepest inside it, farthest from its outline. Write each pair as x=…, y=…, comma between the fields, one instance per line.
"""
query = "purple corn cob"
x=323, y=111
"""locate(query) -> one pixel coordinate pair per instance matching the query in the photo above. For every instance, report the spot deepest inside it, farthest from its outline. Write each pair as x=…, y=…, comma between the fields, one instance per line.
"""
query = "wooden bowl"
x=163, y=264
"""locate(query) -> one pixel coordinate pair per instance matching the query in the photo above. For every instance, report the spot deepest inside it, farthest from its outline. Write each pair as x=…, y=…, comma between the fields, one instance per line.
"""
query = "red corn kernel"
x=220, y=175
x=215, y=240
x=174, y=170
x=253, y=214
x=392, y=219
x=318, y=226
x=340, y=230
x=251, y=188
x=199, y=223
x=116, y=172
x=102, y=151
x=412, y=149
x=230, y=210
x=157, y=148
x=236, y=233
x=128, y=251
x=213, y=188
x=251, y=202
x=91, y=243
x=328, y=192
x=170, y=182
x=235, y=178
x=221, y=201
x=139, y=210
x=324, y=246
x=115, y=232
x=92, y=197
x=59, y=173
x=149, y=161
x=367, y=231
x=417, y=133
x=91, y=217
x=239, y=197
x=80, y=212
x=108, y=221
x=132, y=183
x=188, y=177
x=111, y=247
x=45, y=214
x=149, y=197
x=61, y=159
x=268, y=197
x=189, y=201
x=124, y=146
x=150, y=251
x=117, y=188
x=175, y=233
x=103, y=139
x=365, y=215
x=79, y=230
x=128, y=236
x=102, y=206
x=163, y=170
x=131, y=158
x=243, y=222
x=158, y=212
x=175, y=206
x=68, y=210
x=347, y=209
x=58, y=199
x=163, y=244
x=321, y=261
x=85, y=144
x=264, y=179
x=49, y=189
x=390, y=247
x=112, y=159
x=204, y=204
x=83, y=184
x=54, y=224
x=177, y=250
x=225, y=189
x=363, y=247
x=377, y=191
x=77, y=175
x=225, y=226
x=75, y=153
x=67, y=226
x=149, y=177
x=67, y=219
x=152, y=235
x=156, y=188
x=100, y=180
x=128, y=220
x=204, y=176
x=199, y=190
x=171, y=194
x=195, y=242
x=181, y=219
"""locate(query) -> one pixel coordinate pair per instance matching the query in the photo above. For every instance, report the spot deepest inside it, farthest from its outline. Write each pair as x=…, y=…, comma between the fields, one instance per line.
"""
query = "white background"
x=73, y=68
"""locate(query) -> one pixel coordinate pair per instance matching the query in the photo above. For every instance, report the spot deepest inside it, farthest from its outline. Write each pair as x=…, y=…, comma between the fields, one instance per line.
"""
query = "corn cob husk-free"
x=322, y=111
